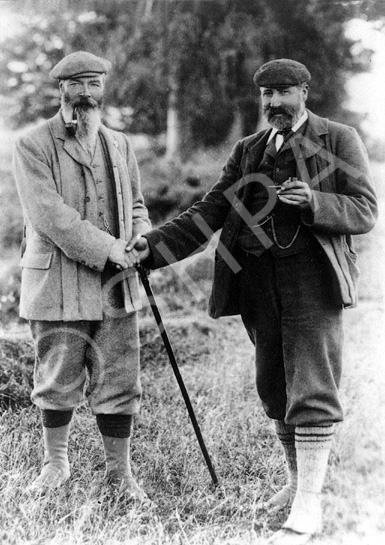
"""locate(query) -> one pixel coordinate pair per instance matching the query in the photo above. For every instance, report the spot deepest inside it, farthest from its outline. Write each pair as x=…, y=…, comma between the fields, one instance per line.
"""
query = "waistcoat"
x=282, y=224
x=106, y=212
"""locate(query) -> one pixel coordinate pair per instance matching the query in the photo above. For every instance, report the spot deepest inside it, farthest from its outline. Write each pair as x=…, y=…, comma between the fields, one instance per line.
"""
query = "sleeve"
x=47, y=213
x=352, y=208
x=191, y=230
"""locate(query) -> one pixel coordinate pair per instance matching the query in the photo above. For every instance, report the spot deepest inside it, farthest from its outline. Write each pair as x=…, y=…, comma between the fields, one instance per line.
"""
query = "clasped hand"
x=295, y=193
x=125, y=255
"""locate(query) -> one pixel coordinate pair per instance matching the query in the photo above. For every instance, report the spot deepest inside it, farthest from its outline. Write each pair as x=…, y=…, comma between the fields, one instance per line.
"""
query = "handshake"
x=125, y=254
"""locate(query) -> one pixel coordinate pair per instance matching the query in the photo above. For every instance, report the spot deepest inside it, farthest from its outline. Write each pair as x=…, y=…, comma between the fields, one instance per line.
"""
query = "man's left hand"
x=295, y=193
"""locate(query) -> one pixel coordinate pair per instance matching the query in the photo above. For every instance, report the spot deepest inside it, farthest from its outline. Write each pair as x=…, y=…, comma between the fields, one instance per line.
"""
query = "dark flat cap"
x=80, y=63
x=281, y=73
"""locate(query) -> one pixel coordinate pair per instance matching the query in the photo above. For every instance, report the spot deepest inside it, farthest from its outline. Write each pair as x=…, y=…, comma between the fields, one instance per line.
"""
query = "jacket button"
x=87, y=199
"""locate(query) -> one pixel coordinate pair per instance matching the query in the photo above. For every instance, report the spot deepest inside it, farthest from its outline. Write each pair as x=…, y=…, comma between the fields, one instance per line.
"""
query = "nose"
x=275, y=100
x=85, y=92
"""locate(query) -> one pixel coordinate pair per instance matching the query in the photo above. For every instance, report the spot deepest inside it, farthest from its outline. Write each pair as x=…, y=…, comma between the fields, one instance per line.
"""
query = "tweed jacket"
x=64, y=252
x=331, y=158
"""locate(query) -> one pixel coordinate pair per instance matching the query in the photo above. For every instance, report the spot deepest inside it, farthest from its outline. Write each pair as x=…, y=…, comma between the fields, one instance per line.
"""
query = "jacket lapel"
x=255, y=148
x=75, y=150
x=122, y=190
x=311, y=142
x=112, y=145
x=69, y=143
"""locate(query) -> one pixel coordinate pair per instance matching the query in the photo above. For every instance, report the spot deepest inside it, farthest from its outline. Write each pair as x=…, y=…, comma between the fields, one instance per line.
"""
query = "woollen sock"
x=286, y=436
x=56, y=468
x=313, y=444
x=116, y=431
x=114, y=425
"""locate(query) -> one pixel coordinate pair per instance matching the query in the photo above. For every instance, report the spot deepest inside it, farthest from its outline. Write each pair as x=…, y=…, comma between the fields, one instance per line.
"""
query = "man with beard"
x=288, y=200
x=79, y=186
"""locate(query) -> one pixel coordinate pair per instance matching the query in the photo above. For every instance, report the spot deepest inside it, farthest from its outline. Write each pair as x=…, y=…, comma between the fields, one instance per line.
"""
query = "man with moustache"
x=79, y=186
x=288, y=200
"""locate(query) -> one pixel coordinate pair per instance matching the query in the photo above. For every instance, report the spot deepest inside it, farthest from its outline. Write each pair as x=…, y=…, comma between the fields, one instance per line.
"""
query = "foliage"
x=11, y=220
x=204, y=51
x=16, y=373
x=10, y=283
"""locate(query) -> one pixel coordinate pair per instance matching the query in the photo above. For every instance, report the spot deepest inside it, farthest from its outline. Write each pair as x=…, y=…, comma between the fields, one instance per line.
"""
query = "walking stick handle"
x=158, y=318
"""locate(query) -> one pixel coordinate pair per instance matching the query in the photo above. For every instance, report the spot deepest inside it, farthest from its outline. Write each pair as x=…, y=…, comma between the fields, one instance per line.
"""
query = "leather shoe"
x=285, y=536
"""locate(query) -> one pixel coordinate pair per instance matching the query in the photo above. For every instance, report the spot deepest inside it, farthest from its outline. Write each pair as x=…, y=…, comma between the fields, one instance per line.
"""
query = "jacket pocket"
x=36, y=261
x=351, y=260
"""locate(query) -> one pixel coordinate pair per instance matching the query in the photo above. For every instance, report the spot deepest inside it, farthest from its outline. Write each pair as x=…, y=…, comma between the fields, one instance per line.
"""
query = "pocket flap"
x=36, y=261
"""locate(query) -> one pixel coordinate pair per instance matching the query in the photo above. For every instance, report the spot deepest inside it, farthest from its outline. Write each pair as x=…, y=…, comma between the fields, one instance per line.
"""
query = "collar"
x=295, y=127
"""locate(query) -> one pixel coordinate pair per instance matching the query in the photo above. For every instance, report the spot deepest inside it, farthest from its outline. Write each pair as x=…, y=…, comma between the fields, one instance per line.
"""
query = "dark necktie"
x=280, y=138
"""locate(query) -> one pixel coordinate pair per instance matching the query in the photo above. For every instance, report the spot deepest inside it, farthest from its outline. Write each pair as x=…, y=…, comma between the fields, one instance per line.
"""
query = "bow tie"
x=284, y=132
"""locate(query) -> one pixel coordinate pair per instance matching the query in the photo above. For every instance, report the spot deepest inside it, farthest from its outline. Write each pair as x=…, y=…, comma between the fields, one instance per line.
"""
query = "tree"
x=183, y=66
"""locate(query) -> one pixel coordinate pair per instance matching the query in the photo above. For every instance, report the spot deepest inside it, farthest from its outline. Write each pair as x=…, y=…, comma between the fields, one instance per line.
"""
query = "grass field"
x=216, y=361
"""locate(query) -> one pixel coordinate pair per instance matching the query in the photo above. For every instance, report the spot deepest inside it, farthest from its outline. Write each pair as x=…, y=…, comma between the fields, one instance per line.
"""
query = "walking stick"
x=154, y=307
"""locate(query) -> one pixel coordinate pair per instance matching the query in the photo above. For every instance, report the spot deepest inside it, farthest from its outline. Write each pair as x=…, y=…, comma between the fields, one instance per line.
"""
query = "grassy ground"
x=216, y=361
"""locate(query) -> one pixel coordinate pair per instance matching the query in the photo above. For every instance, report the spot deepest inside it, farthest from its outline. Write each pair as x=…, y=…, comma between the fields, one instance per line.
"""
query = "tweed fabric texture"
x=296, y=327
x=280, y=73
x=286, y=436
x=80, y=63
x=333, y=161
x=102, y=355
x=65, y=251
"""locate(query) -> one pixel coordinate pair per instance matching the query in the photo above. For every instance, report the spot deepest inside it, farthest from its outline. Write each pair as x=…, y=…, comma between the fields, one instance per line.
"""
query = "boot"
x=118, y=467
x=56, y=468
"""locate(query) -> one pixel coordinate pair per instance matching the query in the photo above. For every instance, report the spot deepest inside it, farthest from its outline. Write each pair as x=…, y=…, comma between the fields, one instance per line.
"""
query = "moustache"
x=83, y=103
x=271, y=111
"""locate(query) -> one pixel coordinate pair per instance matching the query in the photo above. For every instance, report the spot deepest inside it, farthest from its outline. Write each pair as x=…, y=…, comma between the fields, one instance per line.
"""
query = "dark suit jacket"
x=331, y=158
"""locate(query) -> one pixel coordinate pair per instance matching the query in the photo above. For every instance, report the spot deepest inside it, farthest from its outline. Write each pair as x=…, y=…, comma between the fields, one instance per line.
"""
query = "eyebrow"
x=280, y=89
x=78, y=80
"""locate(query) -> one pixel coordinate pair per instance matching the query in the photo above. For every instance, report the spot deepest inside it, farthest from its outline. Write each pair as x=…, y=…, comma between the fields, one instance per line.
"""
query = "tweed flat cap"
x=281, y=73
x=80, y=63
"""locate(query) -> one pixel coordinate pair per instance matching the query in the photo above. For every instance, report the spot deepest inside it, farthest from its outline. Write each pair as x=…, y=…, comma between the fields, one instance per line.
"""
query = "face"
x=284, y=107
x=86, y=92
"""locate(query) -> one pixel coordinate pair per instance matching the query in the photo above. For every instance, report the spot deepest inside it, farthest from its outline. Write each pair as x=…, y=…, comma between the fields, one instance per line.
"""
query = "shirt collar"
x=295, y=127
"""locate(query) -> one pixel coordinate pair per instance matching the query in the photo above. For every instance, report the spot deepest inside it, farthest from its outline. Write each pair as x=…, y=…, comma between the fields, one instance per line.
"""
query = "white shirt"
x=279, y=138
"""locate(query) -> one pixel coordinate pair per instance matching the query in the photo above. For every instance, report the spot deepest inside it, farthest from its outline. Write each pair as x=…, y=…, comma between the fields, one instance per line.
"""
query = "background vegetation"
x=183, y=67
x=182, y=88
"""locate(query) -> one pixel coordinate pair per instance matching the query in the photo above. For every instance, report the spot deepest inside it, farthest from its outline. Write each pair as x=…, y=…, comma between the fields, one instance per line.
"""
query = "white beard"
x=88, y=125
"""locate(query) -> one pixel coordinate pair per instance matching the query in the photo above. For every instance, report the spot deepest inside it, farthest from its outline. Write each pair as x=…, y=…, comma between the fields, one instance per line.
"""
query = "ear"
x=305, y=91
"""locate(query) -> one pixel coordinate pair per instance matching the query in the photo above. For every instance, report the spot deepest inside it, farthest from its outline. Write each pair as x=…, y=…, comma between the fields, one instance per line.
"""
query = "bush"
x=16, y=373
x=170, y=188
x=11, y=216
x=10, y=283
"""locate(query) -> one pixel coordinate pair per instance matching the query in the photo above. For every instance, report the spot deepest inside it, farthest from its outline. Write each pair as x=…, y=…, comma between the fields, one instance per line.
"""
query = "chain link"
x=275, y=236
x=106, y=225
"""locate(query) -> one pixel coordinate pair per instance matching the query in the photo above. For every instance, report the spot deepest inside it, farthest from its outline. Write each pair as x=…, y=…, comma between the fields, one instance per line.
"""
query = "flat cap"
x=281, y=73
x=80, y=63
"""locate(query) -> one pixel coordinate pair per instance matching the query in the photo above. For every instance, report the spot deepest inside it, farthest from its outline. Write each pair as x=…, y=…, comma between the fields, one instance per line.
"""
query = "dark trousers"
x=296, y=327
